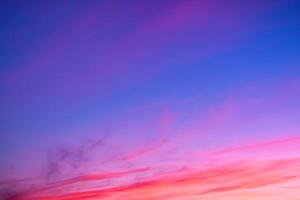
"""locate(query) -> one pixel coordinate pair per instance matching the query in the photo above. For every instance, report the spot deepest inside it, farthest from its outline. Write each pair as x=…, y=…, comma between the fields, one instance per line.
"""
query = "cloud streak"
x=161, y=181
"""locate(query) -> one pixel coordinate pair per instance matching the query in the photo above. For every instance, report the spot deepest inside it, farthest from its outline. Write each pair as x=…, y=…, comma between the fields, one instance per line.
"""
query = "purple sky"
x=141, y=74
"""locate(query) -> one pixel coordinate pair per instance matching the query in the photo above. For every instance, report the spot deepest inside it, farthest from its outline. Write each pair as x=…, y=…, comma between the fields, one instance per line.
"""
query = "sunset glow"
x=150, y=100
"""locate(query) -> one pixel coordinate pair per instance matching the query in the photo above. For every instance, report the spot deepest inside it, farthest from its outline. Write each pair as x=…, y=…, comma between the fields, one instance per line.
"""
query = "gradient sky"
x=183, y=93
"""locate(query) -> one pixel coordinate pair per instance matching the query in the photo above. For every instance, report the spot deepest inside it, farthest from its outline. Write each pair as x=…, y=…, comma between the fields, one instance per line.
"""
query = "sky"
x=148, y=99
